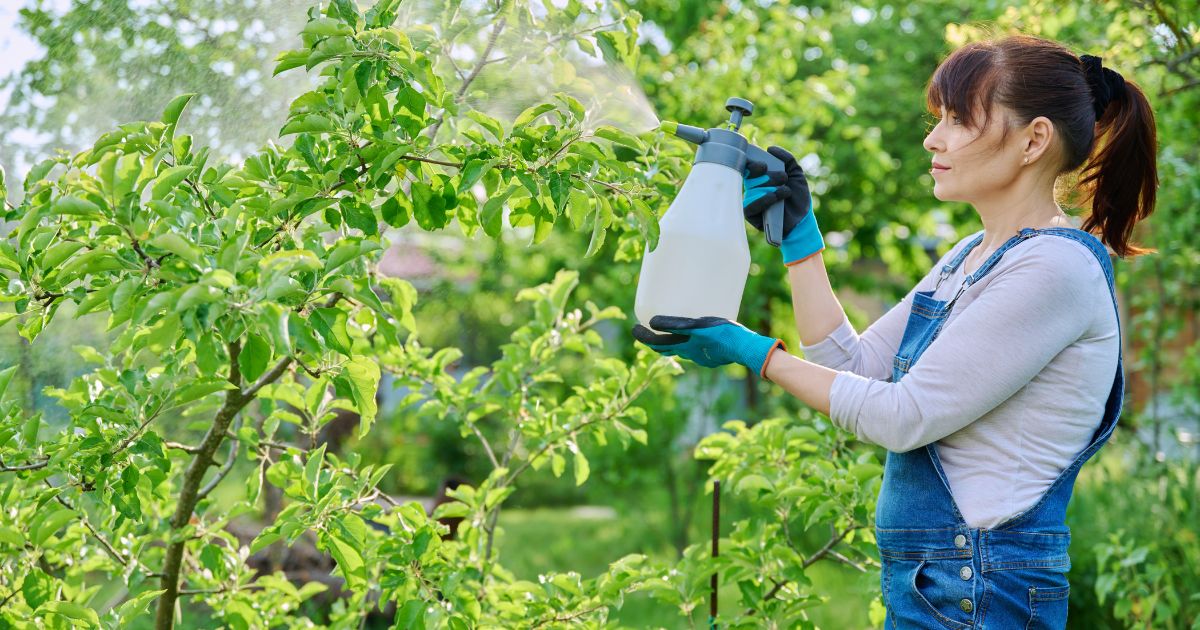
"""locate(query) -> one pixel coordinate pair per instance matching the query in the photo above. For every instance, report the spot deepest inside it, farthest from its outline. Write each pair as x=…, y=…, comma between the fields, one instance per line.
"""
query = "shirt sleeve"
x=1034, y=308
x=868, y=355
x=871, y=354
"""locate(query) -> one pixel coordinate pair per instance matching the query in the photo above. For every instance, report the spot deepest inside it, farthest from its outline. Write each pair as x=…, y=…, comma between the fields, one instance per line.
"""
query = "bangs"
x=965, y=84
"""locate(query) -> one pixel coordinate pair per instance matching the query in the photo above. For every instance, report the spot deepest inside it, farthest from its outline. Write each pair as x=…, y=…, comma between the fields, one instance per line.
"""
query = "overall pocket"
x=1048, y=607
x=938, y=587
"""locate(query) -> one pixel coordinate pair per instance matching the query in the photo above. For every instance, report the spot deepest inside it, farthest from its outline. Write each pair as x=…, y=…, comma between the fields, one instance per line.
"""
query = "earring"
x=1025, y=161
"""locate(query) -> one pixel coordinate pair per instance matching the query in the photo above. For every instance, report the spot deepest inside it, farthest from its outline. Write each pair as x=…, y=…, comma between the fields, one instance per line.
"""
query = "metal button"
x=965, y=573
x=960, y=541
x=965, y=605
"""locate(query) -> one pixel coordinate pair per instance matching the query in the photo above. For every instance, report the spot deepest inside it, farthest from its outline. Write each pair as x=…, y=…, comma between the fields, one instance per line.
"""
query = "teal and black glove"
x=761, y=189
x=709, y=341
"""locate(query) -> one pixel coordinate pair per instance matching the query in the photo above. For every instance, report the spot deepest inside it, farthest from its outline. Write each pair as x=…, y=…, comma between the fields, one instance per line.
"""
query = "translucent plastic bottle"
x=703, y=256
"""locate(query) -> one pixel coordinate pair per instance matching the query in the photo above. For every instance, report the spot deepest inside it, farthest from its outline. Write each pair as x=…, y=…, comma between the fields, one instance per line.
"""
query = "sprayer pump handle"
x=735, y=104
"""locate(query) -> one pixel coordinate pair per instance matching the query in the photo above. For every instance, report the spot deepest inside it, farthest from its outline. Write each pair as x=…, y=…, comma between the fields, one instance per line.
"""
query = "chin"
x=940, y=193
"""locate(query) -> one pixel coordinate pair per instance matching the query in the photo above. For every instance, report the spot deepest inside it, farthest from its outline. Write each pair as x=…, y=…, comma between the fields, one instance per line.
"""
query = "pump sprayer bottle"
x=703, y=256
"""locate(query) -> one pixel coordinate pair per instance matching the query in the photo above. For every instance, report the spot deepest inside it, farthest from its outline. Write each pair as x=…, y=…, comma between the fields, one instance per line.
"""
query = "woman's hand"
x=709, y=341
x=761, y=189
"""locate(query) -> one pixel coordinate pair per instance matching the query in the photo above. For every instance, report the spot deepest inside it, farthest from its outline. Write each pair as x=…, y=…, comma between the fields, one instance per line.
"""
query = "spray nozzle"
x=695, y=135
x=738, y=108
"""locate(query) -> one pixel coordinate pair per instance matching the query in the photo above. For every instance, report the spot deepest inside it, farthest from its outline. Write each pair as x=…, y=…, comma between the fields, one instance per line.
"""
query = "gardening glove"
x=709, y=341
x=761, y=189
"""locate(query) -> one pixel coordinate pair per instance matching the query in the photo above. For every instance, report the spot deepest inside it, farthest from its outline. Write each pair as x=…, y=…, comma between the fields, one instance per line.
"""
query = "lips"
x=938, y=168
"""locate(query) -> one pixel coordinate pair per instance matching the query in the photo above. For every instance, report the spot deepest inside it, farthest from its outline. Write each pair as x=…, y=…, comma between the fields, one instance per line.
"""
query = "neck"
x=1024, y=207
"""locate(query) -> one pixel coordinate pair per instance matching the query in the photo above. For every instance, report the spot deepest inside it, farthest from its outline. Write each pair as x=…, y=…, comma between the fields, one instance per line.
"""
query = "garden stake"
x=716, y=514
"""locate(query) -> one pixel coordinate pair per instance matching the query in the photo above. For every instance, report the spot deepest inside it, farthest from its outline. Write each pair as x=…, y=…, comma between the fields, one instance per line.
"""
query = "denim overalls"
x=937, y=571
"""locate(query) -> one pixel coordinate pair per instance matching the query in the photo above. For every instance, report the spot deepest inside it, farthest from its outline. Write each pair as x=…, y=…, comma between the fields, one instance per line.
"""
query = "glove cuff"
x=803, y=241
x=778, y=344
x=759, y=351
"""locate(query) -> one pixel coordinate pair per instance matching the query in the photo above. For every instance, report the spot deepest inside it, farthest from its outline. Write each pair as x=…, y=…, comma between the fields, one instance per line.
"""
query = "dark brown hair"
x=1036, y=77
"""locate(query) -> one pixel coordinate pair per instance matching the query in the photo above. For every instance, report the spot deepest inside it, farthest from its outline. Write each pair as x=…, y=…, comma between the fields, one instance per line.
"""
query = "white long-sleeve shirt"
x=1011, y=390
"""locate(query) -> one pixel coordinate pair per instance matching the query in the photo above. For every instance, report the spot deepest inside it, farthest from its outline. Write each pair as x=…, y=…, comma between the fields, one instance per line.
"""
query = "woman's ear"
x=1037, y=137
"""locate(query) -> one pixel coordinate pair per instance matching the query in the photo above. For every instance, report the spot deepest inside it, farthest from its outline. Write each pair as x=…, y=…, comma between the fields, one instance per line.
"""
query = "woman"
x=1000, y=373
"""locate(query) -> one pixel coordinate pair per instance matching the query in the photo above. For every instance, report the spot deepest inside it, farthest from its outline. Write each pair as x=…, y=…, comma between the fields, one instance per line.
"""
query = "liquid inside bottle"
x=703, y=257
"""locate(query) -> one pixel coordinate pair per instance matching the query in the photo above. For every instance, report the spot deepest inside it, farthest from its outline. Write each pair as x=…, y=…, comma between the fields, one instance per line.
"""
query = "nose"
x=933, y=142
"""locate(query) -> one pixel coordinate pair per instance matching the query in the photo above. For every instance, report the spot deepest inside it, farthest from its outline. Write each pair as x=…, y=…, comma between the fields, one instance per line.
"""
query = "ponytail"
x=1121, y=176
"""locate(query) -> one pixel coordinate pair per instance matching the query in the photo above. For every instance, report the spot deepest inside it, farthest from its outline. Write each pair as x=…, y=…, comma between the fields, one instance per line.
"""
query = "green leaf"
x=46, y=525
x=312, y=472
x=288, y=59
x=29, y=432
x=618, y=136
x=532, y=112
x=411, y=616
x=176, y=244
x=560, y=189
x=326, y=27
x=558, y=464
x=200, y=389
x=211, y=355
x=750, y=483
x=73, y=611
x=360, y=216
x=492, y=125
x=396, y=210
x=346, y=11
x=330, y=323
x=599, y=225
x=170, y=115
x=862, y=472
x=5, y=378
x=429, y=208
x=573, y=104
x=363, y=374
x=77, y=207
x=37, y=588
x=581, y=468
x=349, y=560
x=492, y=215
x=169, y=179
x=471, y=173
x=59, y=252
x=264, y=539
x=136, y=606
x=252, y=361
x=310, y=123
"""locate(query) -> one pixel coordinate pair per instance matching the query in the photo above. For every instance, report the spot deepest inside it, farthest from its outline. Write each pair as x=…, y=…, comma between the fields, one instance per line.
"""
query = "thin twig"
x=18, y=468
x=224, y=470
x=820, y=553
x=483, y=61
x=487, y=447
x=103, y=542
x=418, y=158
x=568, y=617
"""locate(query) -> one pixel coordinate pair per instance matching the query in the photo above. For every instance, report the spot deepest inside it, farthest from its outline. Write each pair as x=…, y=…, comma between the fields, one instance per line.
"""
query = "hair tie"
x=1106, y=84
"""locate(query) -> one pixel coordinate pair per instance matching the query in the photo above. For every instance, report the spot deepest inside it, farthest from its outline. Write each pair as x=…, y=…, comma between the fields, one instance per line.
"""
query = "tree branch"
x=20, y=467
x=483, y=61
x=487, y=447
x=190, y=491
x=225, y=468
x=820, y=553
x=568, y=617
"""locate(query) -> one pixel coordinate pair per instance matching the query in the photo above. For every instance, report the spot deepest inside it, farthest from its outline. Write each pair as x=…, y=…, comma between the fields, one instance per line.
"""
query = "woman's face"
x=978, y=167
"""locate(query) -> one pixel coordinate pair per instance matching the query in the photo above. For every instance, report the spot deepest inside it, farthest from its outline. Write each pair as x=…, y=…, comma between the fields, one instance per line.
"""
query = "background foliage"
x=217, y=403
